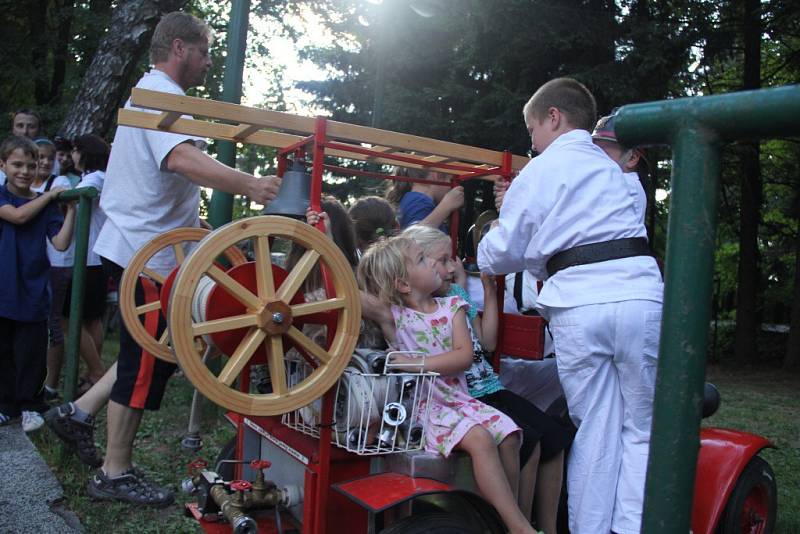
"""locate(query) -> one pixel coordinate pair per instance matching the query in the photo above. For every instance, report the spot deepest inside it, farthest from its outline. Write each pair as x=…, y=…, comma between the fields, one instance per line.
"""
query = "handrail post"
x=696, y=128
x=675, y=439
x=81, y=233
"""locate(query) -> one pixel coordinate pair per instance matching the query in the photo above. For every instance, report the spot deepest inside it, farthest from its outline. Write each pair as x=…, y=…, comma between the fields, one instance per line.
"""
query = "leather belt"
x=597, y=252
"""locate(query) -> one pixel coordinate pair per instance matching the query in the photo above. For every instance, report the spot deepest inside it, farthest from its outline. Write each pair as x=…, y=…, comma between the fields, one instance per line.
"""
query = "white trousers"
x=607, y=356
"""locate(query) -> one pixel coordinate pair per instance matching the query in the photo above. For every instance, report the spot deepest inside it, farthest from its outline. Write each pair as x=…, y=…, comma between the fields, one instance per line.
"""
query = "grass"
x=760, y=401
x=765, y=402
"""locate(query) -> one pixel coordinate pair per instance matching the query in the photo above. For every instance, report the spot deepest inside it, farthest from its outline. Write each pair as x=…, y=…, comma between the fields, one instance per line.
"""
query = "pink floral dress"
x=453, y=411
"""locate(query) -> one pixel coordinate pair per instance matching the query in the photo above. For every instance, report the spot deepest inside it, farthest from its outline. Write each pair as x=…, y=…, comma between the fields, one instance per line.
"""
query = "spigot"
x=260, y=486
x=190, y=485
x=239, y=487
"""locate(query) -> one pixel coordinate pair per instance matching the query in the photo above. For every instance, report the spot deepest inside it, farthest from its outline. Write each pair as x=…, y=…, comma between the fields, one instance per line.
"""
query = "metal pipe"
x=695, y=127
x=675, y=439
x=734, y=116
x=220, y=209
x=73, y=342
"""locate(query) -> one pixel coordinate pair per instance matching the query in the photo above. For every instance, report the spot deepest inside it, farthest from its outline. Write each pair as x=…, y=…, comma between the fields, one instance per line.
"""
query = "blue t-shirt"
x=414, y=207
x=24, y=267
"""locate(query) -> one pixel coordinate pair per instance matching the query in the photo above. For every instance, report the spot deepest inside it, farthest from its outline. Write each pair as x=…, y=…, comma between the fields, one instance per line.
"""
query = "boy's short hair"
x=383, y=264
x=570, y=97
x=14, y=142
x=176, y=25
x=426, y=236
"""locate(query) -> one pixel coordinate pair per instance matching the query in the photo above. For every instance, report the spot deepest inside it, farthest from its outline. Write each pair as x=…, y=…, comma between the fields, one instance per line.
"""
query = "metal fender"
x=723, y=455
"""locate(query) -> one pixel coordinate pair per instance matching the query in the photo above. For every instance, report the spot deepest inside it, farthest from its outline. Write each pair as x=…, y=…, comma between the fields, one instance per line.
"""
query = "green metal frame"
x=84, y=196
x=696, y=128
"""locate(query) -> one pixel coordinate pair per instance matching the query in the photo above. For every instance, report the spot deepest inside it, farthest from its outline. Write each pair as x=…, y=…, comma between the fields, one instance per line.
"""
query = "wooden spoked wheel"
x=137, y=267
x=268, y=317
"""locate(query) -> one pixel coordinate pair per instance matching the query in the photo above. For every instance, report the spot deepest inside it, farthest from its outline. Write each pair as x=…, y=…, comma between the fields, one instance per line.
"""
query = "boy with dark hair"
x=570, y=218
x=27, y=219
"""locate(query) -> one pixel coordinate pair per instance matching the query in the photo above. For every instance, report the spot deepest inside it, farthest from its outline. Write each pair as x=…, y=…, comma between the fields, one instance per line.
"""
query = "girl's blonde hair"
x=426, y=236
x=383, y=264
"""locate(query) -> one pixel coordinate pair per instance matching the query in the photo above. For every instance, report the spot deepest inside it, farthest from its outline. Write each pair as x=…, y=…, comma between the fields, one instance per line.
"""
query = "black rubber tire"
x=758, y=480
x=228, y=452
x=432, y=523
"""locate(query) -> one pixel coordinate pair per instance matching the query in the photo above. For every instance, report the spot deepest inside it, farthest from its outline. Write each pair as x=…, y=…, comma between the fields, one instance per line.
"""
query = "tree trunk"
x=108, y=77
x=747, y=316
x=792, y=359
x=61, y=48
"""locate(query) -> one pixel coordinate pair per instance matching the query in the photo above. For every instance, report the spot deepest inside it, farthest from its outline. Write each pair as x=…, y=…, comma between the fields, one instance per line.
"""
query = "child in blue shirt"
x=26, y=219
x=428, y=204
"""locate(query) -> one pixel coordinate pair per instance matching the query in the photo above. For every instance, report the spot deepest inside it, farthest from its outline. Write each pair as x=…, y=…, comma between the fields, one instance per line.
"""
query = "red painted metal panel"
x=523, y=336
x=723, y=455
x=381, y=492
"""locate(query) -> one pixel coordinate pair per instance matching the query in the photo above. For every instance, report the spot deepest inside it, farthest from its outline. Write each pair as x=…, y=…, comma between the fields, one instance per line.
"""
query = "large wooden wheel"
x=131, y=312
x=268, y=317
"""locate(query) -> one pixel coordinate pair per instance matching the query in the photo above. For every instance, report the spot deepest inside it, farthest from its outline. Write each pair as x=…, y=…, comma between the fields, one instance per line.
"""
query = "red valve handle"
x=240, y=485
x=194, y=465
x=260, y=464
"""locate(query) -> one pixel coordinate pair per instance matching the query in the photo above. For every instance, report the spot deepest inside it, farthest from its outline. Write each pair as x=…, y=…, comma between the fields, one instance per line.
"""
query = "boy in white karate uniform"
x=570, y=218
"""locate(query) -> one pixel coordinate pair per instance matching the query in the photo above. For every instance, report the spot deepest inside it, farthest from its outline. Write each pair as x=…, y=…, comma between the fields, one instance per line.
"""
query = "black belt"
x=597, y=252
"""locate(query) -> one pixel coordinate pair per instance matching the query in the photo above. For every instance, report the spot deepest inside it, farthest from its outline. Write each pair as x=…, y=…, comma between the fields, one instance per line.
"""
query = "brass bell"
x=294, y=195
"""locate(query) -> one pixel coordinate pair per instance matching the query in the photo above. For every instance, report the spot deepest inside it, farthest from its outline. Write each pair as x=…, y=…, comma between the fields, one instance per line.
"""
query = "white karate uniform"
x=605, y=319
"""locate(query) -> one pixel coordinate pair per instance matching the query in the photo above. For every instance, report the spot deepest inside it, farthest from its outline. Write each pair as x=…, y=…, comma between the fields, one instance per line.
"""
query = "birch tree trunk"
x=108, y=77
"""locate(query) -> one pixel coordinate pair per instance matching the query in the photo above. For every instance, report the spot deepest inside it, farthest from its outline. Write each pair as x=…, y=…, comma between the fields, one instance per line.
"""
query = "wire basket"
x=378, y=408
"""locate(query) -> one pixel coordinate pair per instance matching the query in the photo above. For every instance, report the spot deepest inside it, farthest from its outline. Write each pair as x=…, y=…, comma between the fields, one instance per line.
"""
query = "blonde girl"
x=399, y=282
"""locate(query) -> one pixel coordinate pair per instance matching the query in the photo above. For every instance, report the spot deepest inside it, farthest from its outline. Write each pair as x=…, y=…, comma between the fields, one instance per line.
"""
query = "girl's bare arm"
x=62, y=239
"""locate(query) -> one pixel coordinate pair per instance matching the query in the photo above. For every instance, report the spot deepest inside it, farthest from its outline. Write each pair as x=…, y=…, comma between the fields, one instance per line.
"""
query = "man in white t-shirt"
x=152, y=186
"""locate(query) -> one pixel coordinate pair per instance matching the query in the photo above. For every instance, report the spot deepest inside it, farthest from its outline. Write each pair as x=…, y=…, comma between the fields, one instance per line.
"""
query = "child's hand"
x=454, y=198
x=56, y=190
x=460, y=275
x=314, y=217
x=500, y=188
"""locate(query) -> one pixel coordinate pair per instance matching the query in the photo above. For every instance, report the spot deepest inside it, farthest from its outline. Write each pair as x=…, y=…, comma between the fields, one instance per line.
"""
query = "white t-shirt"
x=94, y=179
x=572, y=194
x=60, y=258
x=140, y=197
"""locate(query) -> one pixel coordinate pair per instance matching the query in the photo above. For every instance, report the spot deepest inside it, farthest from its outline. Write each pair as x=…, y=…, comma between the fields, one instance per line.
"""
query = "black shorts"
x=141, y=377
x=537, y=426
x=95, y=294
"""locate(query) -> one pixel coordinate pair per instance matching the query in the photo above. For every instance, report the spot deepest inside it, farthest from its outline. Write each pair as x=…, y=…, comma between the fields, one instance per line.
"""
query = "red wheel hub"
x=754, y=511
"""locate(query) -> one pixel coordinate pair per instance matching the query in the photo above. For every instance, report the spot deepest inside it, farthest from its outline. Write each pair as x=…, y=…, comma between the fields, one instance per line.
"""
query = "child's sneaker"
x=76, y=434
x=31, y=421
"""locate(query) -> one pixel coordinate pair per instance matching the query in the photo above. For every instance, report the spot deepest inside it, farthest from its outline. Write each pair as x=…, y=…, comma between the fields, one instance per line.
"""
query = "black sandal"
x=130, y=486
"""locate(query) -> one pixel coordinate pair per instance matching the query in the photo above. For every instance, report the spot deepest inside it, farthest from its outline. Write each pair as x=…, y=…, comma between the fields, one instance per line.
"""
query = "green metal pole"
x=220, y=210
x=695, y=127
x=73, y=343
x=684, y=332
